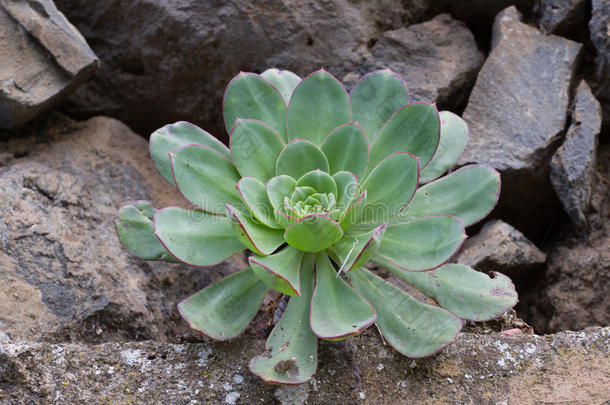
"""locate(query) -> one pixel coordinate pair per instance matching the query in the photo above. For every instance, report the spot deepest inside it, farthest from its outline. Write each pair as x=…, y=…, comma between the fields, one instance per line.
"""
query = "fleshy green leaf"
x=376, y=97
x=347, y=188
x=390, y=186
x=318, y=105
x=137, y=232
x=249, y=95
x=196, y=237
x=313, y=233
x=284, y=80
x=411, y=327
x=469, y=193
x=454, y=136
x=354, y=212
x=300, y=157
x=415, y=128
x=354, y=251
x=278, y=188
x=255, y=236
x=171, y=137
x=291, y=353
x=205, y=177
x=421, y=243
x=347, y=149
x=320, y=181
x=337, y=310
x=255, y=147
x=280, y=271
x=224, y=309
x=254, y=195
x=464, y=291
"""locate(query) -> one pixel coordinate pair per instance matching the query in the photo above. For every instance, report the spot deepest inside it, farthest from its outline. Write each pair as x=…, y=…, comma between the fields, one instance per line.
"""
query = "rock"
x=599, y=27
x=516, y=113
x=561, y=17
x=500, y=247
x=44, y=59
x=573, y=164
x=494, y=368
x=63, y=274
x=438, y=59
x=163, y=62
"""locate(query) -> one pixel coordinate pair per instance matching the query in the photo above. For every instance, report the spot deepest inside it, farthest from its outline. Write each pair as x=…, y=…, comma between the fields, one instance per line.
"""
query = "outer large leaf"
x=454, y=137
x=313, y=233
x=137, y=232
x=390, y=186
x=291, y=354
x=254, y=195
x=284, y=80
x=415, y=128
x=421, y=243
x=347, y=149
x=255, y=236
x=280, y=271
x=337, y=311
x=249, y=95
x=171, y=137
x=195, y=237
x=300, y=157
x=318, y=105
x=376, y=97
x=354, y=251
x=205, y=177
x=224, y=309
x=469, y=193
x=464, y=291
x=412, y=328
x=320, y=181
x=255, y=147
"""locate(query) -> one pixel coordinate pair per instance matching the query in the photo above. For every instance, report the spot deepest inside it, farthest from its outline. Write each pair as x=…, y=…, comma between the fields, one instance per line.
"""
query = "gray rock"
x=63, y=273
x=500, y=247
x=479, y=12
x=493, y=368
x=599, y=28
x=44, y=59
x=438, y=59
x=573, y=164
x=519, y=103
x=167, y=61
x=561, y=17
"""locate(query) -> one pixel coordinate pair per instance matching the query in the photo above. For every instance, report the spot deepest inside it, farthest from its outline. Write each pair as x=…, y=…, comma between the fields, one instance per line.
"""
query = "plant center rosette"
x=318, y=183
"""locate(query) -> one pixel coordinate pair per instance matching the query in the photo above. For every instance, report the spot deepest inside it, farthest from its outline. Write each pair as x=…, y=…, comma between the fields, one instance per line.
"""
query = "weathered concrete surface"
x=63, y=272
x=570, y=367
x=573, y=164
x=44, y=59
x=438, y=59
x=500, y=247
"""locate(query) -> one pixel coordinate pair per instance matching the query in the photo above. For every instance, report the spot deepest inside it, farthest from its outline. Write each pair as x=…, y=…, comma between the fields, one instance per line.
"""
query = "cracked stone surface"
x=476, y=369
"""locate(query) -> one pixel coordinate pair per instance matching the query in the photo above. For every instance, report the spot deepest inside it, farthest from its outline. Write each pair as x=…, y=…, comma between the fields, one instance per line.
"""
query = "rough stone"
x=63, y=273
x=438, y=59
x=44, y=59
x=561, y=17
x=167, y=61
x=599, y=28
x=573, y=164
x=494, y=368
x=517, y=112
x=500, y=247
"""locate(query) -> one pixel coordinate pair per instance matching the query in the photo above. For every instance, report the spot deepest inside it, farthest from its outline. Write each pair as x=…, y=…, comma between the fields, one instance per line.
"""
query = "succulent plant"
x=316, y=184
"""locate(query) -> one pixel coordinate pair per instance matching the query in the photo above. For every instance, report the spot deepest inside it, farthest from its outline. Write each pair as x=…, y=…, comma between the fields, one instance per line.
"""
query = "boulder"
x=517, y=112
x=598, y=28
x=561, y=17
x=168, y=61
x=63, y=273
x=44, y=59
x=497, y=368
x=438, y=59
x=573, y=164
x=500, y=247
